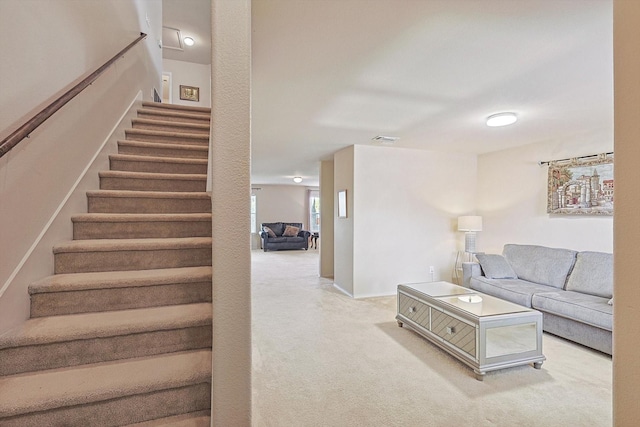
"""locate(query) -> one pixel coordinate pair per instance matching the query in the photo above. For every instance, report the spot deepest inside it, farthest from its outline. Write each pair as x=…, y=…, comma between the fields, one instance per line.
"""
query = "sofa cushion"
x=294, y=239
x=592, y=274
x=539, y=264
x=585, y=308
x=495, y=266
x=279, y=239
x=285, y=239
x=276, y=227
x=514, y=290
x=290, y=231
x=269, y=231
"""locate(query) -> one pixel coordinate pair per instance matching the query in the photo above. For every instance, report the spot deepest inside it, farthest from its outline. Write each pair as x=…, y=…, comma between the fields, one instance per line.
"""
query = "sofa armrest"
x=469, y=270
x=304, y=233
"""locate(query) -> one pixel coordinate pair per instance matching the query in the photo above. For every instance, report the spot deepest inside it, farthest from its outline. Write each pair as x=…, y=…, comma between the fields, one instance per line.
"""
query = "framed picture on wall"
x=342, y=204
x=581, y=186
x=190, y=93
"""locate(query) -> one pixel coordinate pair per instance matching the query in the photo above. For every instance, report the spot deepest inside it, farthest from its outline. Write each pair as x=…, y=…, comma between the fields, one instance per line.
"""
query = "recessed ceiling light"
x=189, y=41
x=297, y=180
x=501, y=119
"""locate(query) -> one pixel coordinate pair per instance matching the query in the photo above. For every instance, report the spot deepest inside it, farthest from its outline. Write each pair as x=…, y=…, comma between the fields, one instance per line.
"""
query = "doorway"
x=167, y=93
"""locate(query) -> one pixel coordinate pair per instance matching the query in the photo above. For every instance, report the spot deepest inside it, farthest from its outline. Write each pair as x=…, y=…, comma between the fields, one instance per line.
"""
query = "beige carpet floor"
x=321, y=358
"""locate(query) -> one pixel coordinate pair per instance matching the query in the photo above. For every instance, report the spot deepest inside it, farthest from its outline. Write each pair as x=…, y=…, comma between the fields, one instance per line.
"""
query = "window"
x=314, y=211
x=254, y=224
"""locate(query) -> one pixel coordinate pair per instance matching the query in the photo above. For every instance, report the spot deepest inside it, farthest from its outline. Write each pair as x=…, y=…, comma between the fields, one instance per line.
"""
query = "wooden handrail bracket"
x=25, y=130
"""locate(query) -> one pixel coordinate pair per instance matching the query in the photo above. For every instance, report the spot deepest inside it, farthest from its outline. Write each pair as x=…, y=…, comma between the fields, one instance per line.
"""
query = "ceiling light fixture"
x=501, y=119
x=297, y=180
x=385, y=139
x=189, y=41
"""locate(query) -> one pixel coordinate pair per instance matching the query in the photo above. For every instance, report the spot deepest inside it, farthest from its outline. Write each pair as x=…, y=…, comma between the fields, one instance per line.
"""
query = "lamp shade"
x=469, y=223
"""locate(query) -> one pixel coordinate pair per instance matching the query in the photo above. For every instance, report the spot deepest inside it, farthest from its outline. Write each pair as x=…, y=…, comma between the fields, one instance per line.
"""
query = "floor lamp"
x=470, y=225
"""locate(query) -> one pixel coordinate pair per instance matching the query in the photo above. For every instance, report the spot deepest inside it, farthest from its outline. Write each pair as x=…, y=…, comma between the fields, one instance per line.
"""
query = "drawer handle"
x=451, y=330
x=412, y=309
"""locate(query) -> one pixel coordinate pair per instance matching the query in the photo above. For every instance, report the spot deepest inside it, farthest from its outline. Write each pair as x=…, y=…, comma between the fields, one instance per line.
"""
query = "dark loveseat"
x=284, y=235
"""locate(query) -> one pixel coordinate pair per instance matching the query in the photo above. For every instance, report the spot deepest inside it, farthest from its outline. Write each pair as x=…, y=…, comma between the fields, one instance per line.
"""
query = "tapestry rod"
x=581, y=157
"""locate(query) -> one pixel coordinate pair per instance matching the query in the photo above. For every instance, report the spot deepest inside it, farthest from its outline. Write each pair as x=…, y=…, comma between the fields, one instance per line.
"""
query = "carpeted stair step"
x=109, y=393
x=80, y=339
x=133, y=163
x=163, y=149
x=84, y=256
x=177, y=108
x=194, y=419
x=170, y=126
x=112, y=201
x=121, y=333
x=138, y=226
x=174, y=116
x=147, y=181
x=119, y=290
x=145, y=135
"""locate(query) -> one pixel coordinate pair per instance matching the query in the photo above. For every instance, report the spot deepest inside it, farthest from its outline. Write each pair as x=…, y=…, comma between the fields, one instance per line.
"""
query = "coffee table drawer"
x=413, y=310
x=456, y=332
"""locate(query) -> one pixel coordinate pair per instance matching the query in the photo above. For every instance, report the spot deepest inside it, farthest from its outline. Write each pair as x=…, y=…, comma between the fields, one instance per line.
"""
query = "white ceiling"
x=328, y=74
x=193, y=19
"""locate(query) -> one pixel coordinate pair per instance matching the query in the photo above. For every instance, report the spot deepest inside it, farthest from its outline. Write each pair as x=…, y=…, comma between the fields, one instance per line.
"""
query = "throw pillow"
x=291, y=231
x=496, y=266
x=269, y=232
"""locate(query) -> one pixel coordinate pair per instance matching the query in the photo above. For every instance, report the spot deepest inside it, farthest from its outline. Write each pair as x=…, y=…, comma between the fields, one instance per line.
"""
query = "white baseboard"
x=342, y=290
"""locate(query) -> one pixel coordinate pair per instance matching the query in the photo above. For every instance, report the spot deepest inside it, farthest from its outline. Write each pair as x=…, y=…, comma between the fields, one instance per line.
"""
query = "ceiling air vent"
x=171, y=38
x=385, y=139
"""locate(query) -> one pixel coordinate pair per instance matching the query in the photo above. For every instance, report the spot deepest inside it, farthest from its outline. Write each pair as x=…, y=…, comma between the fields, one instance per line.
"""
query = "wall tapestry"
x=581, y=186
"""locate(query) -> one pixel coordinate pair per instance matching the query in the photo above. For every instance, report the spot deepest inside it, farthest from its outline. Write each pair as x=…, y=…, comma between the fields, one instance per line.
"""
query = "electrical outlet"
x=432, y=269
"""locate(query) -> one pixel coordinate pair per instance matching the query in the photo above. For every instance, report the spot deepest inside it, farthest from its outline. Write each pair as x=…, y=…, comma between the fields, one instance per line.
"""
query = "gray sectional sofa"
x=573, y=290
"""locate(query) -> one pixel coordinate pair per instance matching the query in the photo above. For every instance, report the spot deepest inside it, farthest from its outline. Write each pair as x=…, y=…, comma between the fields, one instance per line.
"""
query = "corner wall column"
x=326, y=219
x=231, y=190
x=626, y=232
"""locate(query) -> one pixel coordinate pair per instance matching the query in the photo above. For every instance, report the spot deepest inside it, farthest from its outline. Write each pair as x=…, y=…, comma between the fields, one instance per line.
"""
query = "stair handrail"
x=30, y=125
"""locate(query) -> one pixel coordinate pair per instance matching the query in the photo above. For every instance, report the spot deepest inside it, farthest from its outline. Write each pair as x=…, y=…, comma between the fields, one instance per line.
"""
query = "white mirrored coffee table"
x=484, y=332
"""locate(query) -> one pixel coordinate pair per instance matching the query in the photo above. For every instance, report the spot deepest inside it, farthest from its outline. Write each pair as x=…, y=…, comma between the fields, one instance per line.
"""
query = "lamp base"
x=470, y=242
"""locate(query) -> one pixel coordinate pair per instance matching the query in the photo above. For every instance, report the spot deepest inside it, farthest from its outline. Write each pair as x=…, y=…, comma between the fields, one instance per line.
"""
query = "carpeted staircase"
x=121, y=333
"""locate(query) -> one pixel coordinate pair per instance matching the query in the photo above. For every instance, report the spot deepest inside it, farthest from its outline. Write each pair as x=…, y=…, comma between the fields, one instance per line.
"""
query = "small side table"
x=462, y=257
x=314, y=240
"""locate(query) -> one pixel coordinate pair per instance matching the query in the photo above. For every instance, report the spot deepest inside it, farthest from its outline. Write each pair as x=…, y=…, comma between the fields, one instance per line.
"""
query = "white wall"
x=512, y=199
x=68, y=39
x=189, y=74
x=402, y=210
x=52, y=44
x=343, y=237
x=282, y=203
